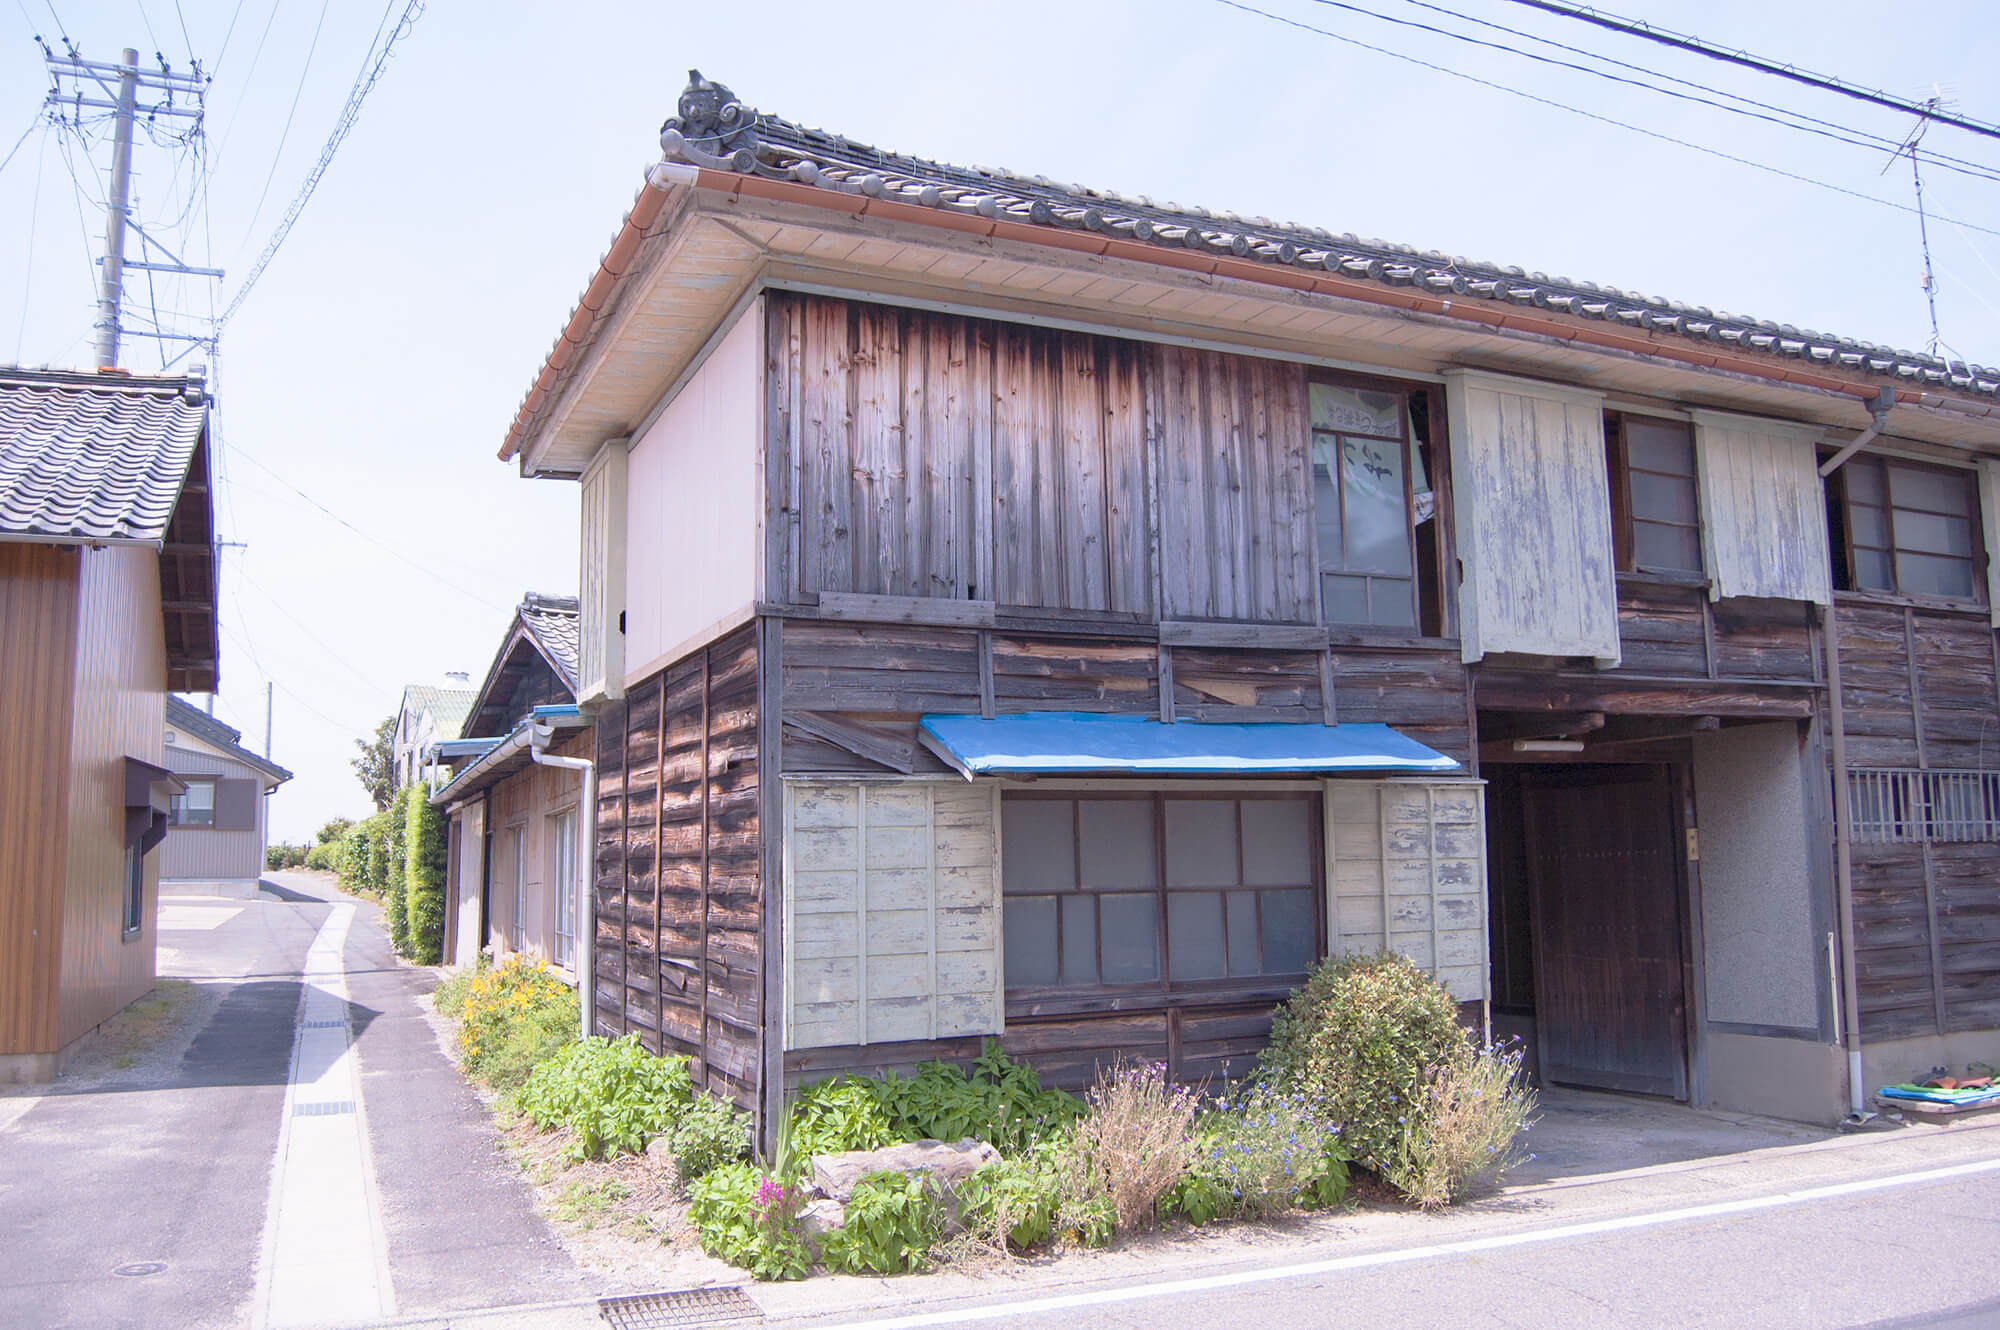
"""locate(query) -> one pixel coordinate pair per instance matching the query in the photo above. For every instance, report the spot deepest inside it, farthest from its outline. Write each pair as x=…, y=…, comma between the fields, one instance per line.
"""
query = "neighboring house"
x=107, y=601
x=426, y=716
x=1015, y=610
x=216, y=827
x=518, y=830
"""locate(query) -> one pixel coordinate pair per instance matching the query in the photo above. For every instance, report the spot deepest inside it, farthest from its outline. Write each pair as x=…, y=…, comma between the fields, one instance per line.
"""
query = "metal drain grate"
x=334, y=1024
x=328, y=1109
x=726, y=1305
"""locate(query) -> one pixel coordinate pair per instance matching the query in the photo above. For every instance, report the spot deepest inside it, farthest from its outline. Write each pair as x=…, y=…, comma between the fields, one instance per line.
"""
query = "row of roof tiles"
x=715, y=130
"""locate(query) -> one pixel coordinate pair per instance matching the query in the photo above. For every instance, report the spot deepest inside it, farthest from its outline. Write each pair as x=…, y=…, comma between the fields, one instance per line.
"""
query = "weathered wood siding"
x=1763, y=508
x=680, y=902
x=1989, y=522
x=1533, y=514
x=603, y=494
x=892, y=912
x=1237, y=539
x=1415, y=855
x=691, y=562
x=38, y=595
x=120, y=712
x=930, y=455
x=1920, y=691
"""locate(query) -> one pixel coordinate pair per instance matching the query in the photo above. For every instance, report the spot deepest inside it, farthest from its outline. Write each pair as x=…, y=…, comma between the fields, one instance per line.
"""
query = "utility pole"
x=268, y=686
x=72, y=80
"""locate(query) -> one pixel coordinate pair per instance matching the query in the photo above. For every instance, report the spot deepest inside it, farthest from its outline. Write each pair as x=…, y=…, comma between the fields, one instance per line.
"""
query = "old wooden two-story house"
x=515, y=797
x=1013, y=609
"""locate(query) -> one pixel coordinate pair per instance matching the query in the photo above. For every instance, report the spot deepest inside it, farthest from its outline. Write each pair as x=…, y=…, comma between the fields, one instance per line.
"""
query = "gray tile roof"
x=94, y=457
x=193, y=720
x=553, y=621
x=716, y=131
x=448, y=706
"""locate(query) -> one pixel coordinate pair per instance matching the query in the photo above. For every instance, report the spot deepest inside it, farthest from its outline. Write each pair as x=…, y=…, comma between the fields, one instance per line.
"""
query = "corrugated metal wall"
x=206, y=852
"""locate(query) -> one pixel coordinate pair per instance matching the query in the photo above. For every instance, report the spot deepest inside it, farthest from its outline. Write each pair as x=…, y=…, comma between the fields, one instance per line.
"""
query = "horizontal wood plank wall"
x=1920, y=691
x=1669, y=629
x=678, y=877
x=938, y=456
x=121, y=680
x=853, y=692
x=38, y=590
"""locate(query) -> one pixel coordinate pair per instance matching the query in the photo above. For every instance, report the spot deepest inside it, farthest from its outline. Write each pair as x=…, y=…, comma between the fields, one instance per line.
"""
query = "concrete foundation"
x=1794, y=1079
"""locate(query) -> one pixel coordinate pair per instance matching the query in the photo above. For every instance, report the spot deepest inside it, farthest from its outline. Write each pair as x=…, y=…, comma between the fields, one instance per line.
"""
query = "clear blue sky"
x=377, y=363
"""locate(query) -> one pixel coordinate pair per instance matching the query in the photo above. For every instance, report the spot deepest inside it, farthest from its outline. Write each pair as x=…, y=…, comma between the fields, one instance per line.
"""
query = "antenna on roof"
x=1936, y=101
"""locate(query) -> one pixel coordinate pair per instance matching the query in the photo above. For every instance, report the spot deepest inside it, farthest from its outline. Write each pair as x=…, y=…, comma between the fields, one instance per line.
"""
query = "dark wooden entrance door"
x=1604, y=883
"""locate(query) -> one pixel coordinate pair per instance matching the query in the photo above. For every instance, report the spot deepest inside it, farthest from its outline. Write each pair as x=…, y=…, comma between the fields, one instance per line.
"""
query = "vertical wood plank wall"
x=121, y=680
x=1920, y=691
x=210, y=853
x=680, y=921
x=38, y=593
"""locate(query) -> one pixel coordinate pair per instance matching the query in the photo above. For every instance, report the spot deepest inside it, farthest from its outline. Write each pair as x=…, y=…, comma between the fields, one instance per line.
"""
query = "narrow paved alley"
x=270, y=1162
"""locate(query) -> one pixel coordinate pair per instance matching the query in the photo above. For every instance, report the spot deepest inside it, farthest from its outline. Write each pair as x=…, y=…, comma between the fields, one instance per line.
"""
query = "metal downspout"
x=1843, y=869
x=586, y=899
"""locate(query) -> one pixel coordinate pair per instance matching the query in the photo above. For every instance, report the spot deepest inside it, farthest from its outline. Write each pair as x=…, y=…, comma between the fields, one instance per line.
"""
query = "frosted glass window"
x=1029, y=928
x=1290, y=919
x=1907, y=528
x=1243, y=941
x=1040, y=840
x=1201, y=843
x=1278, y=845
x=1365, y=468
x=1079, y=940
x=1194, y=934
x=1117, y=842
x=1131, y=930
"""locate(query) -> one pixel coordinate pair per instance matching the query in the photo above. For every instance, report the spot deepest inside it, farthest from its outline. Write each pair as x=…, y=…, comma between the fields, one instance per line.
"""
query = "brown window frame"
x=1428, y=556
x=1165, y=990
x=1624, y=524
x=1840, y=526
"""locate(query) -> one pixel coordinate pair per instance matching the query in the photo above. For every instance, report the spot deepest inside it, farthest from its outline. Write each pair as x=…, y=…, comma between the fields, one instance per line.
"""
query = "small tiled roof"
x=716, y=131
x=94, y=457
x=448, y=706
x=553, y=621
x=193, y=720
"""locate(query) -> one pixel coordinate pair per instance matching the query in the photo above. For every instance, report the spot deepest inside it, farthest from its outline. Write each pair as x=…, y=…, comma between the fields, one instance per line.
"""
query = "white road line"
x=1404, y=1255
x=325, y=1257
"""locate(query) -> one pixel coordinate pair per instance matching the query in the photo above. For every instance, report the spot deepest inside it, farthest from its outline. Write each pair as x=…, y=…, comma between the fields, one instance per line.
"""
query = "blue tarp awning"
x=1077, y=741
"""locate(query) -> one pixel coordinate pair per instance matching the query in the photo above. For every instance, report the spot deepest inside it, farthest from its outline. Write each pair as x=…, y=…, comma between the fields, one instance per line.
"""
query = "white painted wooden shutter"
x=892, y=912
x=1989, y=514
x=601, y=576
x=1763, y=509
x=1412, y=854
x=1533, y=517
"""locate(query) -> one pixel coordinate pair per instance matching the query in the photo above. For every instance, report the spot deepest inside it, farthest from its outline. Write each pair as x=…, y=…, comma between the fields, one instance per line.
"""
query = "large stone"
x=818, y=1219
x=946, y=1165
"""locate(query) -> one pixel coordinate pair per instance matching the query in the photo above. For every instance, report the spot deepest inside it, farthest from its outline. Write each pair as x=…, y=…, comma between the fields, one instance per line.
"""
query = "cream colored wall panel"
x=1763, y=508
x=691, y=536
x=1533, y=516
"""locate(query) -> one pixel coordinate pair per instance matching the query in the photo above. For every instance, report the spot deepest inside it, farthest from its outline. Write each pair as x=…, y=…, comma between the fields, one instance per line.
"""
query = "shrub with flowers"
x=1467, y=1128
x=750, y=1218
x=1260, y=1151
x=511, y=1017
x=1134, y=1142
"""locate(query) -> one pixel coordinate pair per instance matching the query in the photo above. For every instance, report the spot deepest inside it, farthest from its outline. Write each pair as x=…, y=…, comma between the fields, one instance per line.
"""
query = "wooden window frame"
x=1166, y=991
x=1624, y=532
x=518, y=925
x=1430, y=618
x=132, y=906
x=562, y=886
x=1840, y=507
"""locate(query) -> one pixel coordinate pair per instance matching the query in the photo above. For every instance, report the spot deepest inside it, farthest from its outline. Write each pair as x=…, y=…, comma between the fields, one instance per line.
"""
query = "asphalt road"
x=137, y=1197
x=1923, y=1254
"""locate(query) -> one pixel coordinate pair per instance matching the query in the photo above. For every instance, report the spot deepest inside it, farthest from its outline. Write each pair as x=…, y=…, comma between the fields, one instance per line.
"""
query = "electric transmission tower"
x=155, y=96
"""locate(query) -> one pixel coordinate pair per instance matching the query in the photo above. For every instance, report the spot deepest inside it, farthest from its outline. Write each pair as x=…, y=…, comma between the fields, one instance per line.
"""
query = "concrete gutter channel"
x=1772, y=1175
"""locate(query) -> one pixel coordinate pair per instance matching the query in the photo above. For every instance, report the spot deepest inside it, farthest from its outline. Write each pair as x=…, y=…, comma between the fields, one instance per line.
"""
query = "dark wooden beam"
x=1510, y=725
x=1615, y=696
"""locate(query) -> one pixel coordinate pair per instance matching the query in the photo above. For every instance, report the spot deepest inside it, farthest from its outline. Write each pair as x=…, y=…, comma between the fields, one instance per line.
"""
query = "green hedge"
x=395, y=907
x=424, y=878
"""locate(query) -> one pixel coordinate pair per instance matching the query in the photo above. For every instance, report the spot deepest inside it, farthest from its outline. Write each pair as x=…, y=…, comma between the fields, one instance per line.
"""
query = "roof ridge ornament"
x=713, y=128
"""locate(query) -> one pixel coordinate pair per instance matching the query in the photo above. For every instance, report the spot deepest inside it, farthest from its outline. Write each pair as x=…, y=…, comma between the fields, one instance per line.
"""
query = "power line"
x=286, y=133
x=350, y=112
x=1825, y=82
x=1592, y=115
x=1791, y=119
